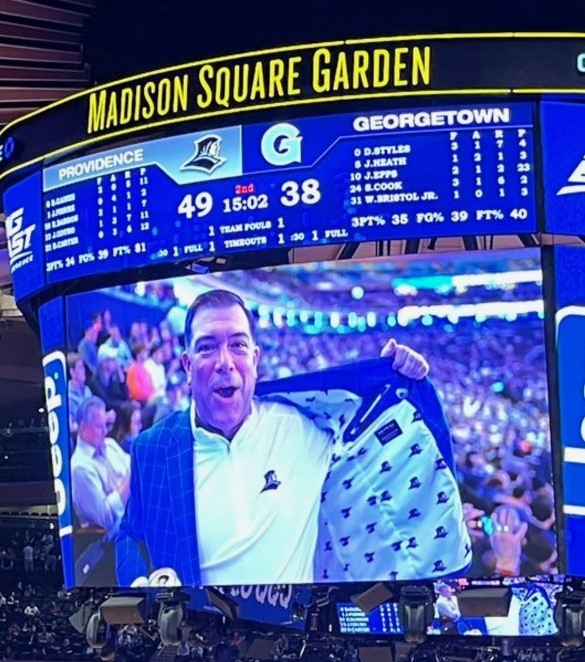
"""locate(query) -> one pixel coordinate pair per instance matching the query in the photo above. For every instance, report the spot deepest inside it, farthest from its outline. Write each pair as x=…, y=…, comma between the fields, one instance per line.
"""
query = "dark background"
x=123, y=37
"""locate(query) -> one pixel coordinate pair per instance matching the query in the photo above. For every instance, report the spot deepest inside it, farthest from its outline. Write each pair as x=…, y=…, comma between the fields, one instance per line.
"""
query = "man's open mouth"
x=226, y=391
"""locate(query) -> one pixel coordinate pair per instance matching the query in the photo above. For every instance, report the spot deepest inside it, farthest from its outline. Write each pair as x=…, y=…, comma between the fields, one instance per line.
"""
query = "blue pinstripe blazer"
x=159, y=528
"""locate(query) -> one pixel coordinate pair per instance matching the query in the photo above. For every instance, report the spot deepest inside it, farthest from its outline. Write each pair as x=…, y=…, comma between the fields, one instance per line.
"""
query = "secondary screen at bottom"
x=531, y=614
x=531, y=610
x=357, y=421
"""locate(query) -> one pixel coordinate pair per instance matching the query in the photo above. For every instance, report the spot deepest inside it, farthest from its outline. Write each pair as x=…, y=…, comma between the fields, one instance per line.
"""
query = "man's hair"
x=72, y=358
x=519, y=491
x=541, y=508
x=216, y=299
x=539, y=548
x=137, y=348
x=86, y=406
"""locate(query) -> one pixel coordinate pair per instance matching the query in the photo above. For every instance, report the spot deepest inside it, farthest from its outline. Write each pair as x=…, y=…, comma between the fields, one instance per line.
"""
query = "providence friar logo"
x=206, y=157
x=271, y=481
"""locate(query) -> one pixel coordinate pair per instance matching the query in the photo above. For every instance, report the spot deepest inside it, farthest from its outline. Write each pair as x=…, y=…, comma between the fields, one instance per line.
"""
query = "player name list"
x=383, y=621
x=466, y=170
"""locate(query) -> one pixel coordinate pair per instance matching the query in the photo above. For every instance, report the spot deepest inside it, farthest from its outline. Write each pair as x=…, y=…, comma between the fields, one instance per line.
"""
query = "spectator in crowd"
x=87, y=347
x=50, y=560
x=171, y=362
x=109, y=382
x=173, y=400
x=166, y=334
x=156, y=369
x=67, y=647
x=77, y=389
x=128, y=424
x=183, y=650
x=31, y=610
x=105, y=318
x=138, y=379
x=446, y=604
x=542, y=511
x=154, y=337
x=541, y=555
x=475, y=469
x=28, y=556
x=119, y=347
x=137, y=335
x=8, y=559
x=176, y=318
x=100, y=470
x=30, y=591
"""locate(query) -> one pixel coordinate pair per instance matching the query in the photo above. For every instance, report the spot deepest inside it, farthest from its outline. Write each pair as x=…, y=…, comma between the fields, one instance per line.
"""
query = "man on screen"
x=100, y=470
x=229, y=492
x=447, y=605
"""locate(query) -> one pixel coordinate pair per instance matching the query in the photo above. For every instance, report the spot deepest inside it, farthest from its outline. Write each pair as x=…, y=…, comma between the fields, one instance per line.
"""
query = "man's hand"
x=124, y=489
x=407, y=362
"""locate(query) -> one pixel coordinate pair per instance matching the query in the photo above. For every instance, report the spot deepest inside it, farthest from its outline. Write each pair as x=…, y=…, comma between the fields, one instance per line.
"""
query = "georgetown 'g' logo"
x=281, y=145
x=206, y=157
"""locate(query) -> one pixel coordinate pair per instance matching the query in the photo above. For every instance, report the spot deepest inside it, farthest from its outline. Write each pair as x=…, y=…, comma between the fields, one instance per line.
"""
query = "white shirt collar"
x=206, y=437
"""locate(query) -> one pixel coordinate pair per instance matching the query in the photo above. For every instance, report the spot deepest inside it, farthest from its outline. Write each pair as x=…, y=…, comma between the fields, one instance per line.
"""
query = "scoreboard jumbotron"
x=343, y=142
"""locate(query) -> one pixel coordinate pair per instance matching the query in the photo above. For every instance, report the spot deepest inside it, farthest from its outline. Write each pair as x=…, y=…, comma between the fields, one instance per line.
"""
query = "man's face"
x=173, y=395
x=93, y=332
x=222, y=366
x=78, y=373
x=94, y=429
x=136, y=422
x=107, y=367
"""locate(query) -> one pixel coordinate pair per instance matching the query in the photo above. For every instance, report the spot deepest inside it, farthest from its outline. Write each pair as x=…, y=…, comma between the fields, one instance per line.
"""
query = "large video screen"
x=327, y=422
